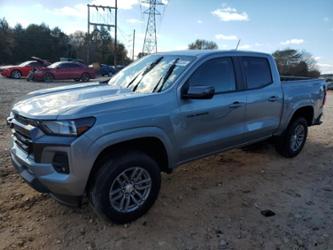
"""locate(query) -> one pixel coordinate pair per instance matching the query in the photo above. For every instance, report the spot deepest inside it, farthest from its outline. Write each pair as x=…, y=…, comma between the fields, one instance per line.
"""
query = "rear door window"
x=75, y=65
x=257, y=72
x=69, y=65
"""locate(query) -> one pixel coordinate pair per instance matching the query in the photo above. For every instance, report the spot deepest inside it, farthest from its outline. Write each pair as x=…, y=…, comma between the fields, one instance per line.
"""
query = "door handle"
x=235, y=105
x=273, y=99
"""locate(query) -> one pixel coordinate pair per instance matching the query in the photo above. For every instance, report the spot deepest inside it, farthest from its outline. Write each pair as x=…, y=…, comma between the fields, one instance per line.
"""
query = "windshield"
x=153, y=73
x=25, y=63
x=54, y=65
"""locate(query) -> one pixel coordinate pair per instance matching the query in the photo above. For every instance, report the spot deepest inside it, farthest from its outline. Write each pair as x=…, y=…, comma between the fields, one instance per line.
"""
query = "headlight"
x=67, y=127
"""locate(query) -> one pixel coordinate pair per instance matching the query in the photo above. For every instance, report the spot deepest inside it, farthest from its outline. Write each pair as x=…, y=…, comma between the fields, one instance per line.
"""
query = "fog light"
x=60, y=162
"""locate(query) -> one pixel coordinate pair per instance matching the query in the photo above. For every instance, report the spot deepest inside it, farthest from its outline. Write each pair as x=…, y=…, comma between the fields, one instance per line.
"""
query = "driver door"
x=211, y=125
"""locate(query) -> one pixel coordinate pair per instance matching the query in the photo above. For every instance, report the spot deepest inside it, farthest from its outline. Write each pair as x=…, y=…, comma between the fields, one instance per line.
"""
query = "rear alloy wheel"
x=48, y=77
x=85, y=77
x=16, y=74
x=292, y=141
x=125, y=186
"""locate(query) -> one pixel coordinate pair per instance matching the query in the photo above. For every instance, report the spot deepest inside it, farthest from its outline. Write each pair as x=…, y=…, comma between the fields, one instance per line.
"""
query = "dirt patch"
x=213, y=203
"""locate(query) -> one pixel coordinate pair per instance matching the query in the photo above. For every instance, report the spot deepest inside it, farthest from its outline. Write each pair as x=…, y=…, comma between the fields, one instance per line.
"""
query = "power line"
x=150, y=41
x=103, y=18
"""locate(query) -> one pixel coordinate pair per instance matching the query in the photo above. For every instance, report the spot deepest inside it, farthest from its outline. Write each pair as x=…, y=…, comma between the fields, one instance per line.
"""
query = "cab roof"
x=203, y=53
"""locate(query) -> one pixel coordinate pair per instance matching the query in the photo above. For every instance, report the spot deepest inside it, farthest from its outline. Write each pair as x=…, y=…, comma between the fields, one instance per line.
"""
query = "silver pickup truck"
x=110, y=141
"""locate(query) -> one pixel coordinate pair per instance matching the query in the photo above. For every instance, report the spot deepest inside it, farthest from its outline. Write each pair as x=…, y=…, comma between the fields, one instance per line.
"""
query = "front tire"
x=291, y=143
x=125, y=187
x=16, y=74
x=48, y=77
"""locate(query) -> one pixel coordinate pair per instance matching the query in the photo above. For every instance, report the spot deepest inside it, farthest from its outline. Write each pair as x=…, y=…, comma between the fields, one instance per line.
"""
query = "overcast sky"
x=260, y=24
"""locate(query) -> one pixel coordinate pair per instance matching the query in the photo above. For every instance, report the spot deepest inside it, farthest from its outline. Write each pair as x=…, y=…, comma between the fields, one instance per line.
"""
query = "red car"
x=63, y=71
x=23, y=69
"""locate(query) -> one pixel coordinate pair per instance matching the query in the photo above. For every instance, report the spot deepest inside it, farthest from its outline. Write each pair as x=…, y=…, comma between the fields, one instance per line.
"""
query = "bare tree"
x=296, y=63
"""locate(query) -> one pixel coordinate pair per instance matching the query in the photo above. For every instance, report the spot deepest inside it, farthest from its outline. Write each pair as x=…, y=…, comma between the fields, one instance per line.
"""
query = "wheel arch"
x=305, y=111
x=15, y=69
x=154, y=146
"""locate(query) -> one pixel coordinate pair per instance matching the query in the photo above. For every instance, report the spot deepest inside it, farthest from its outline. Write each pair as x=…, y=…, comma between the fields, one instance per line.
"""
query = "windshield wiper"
x=133, y=80
x=166, y=77
x=148, y=69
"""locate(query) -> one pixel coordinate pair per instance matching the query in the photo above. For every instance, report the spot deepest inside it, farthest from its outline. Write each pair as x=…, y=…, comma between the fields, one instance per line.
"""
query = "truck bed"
x=295, y=78
x=302, y=92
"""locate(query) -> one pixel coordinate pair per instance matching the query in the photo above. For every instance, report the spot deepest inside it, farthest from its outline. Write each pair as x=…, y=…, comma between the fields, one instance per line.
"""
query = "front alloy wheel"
x=125, y=186
x=16, y=74
x=130, y=189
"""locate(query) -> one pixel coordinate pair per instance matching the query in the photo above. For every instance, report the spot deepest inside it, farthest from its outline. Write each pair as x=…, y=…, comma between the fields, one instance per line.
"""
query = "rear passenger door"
x=263, y=98
x=210, y=125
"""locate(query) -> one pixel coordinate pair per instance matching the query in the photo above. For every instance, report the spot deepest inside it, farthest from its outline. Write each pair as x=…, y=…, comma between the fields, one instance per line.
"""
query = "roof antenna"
x=238, y=44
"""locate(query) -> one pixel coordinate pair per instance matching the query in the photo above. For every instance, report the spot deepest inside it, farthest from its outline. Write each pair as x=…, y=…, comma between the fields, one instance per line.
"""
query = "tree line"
x=290, y=62
x=18, y=44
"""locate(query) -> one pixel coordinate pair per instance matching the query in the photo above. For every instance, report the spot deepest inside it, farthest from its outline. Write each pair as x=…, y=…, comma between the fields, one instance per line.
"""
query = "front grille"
x=21, y=133
x=22, y=141
x=25, y=121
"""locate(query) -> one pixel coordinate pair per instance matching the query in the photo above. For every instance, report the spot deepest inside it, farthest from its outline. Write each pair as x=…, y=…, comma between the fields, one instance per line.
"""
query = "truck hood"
x=50, y=103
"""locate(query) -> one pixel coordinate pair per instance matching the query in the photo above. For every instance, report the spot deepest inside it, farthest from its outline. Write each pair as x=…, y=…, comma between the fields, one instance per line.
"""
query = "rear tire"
x=16, y=74
x=85, y=77
x=291, y=143
x=125, y=186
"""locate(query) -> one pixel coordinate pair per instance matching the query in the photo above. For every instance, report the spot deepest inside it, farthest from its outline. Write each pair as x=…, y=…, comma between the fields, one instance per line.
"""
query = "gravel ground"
x=213, y=203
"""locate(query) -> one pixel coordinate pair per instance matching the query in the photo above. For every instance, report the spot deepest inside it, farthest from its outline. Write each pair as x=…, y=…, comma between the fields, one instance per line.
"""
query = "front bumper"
x=35, y=156
x=41, y=177
x=22, y=169
x=5, y=73
x=36, y=76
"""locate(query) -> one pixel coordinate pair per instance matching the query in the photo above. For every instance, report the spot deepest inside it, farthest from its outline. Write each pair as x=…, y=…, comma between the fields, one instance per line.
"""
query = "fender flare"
x=110, y=139
x=295, y=108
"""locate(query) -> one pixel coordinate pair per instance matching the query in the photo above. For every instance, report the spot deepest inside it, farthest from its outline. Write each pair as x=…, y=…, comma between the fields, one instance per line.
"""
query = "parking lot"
x=213, y=203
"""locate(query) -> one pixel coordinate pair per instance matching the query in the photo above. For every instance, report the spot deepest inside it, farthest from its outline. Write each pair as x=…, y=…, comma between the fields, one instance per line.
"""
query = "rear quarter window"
x=257, y=72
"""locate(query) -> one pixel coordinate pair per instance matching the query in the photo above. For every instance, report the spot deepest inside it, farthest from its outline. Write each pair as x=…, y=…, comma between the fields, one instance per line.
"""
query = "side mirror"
x=198, y=92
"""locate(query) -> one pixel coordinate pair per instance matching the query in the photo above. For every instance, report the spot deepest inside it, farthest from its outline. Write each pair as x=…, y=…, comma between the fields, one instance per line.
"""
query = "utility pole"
x=88, y=44
x=104, y=18
x=150, y=42
x=115, y=35
x=133, y=45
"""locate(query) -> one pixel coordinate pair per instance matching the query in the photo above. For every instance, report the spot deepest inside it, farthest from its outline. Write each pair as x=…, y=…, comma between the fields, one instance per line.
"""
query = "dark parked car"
x=63, y=71
x=107, y=70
